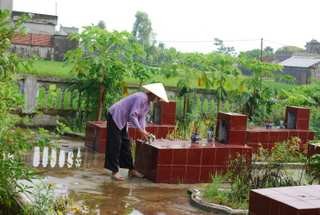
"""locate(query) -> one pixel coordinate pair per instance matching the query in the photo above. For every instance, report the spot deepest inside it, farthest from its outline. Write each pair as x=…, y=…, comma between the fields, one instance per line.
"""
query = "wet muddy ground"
x=79, y=173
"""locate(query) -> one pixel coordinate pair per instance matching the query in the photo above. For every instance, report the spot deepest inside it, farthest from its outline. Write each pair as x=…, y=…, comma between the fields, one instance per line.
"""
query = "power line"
x=206, y=41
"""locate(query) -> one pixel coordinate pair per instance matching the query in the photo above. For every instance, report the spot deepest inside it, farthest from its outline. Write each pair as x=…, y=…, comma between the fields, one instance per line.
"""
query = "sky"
x=192, y=25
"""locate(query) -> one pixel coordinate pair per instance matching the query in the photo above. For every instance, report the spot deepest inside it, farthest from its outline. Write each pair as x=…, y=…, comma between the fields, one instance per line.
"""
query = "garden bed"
x=197, y=200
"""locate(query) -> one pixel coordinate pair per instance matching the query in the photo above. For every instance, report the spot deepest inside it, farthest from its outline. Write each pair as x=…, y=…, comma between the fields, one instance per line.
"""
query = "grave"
x=163, y=123
x=296, y=125
x=297, y=200
x=179, y=161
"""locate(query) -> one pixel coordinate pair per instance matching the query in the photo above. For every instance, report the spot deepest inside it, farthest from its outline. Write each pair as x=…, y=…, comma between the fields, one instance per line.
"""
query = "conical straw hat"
x=158, y=90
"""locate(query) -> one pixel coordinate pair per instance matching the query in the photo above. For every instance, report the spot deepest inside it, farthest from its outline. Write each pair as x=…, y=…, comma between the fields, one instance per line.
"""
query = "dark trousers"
x=118, y=150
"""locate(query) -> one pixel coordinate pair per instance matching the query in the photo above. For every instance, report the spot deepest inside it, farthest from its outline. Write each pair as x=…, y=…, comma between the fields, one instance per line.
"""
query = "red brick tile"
x=194, y=156
x=161, y=132
x=237, y=137
x=167, y=113
x=302, y=124
x=206, y=173
x=179, y=157
x=283, y=136
x=252, y=137
x=163, y=173
x=264, y=137
x=238, y=122
x=303, y=113
x=234, y=153
x=178, y=173
x=274, y=136
x=208, y=156
x=304, y=135
x=192, y=174
x=222, y=156
x=165, y=156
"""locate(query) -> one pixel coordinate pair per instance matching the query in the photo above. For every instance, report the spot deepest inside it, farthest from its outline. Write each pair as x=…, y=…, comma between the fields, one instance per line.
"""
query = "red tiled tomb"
x=298, y=200
x=166, y=161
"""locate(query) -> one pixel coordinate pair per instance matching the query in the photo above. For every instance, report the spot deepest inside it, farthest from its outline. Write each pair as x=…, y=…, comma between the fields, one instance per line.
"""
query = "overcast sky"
x=191, y=25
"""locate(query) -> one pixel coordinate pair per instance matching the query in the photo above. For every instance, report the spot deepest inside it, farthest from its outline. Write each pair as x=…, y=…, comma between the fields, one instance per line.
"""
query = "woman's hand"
x=144, y=134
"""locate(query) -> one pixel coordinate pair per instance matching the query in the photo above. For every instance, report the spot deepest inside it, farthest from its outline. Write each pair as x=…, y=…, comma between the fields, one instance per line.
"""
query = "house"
x=41, y=38
x=304, y=68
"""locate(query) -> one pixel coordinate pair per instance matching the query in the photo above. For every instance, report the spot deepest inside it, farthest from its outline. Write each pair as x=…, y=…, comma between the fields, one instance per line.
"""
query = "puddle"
x=79, y=173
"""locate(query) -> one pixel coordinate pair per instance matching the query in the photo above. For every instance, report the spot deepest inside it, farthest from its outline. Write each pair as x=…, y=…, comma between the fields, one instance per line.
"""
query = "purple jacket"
x=132, y=109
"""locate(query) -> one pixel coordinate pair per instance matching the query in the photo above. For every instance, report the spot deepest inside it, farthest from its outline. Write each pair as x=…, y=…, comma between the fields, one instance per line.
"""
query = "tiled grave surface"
x=231, y=128
x=160, y=131
x=96, y=134
x=166, y=161
x=164, y=117
x=300, y=117
x=167, y=113
x=268, y=137
x=299, y=200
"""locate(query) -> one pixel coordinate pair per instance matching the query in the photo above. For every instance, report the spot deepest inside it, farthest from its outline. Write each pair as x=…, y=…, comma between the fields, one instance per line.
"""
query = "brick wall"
x=44, y=40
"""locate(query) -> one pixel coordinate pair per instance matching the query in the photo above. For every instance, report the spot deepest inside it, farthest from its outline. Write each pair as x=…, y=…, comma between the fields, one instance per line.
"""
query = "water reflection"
x=53, y=156
x=45, y=157
x=57, y=157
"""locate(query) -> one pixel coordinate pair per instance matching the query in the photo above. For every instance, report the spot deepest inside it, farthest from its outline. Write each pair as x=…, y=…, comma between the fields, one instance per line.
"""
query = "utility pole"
x=261, y=50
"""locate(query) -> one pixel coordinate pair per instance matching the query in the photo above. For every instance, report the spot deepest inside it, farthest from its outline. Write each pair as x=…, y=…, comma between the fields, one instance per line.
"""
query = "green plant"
x=213, y=191
x=102, y=61
x=43, y=137
x=243, y=177
x=287, y=151
x=43, y=200
x=13, y=143
x=313, y=168
x=62, y=128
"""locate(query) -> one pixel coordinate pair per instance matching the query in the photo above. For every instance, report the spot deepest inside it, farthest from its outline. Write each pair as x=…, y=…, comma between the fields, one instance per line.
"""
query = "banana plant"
x=220, y=68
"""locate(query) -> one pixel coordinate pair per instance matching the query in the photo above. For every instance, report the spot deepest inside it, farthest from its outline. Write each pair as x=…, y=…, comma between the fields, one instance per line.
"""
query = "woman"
x=132, y=109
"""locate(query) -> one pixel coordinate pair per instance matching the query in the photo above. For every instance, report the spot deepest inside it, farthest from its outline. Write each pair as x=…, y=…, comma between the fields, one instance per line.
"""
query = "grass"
x=46, y=68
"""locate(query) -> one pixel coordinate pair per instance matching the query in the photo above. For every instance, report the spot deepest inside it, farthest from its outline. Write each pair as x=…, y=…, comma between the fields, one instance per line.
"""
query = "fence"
x=57, y=96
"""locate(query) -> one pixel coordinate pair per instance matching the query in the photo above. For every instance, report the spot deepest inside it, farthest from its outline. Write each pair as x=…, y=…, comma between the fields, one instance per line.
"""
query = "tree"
x=286, y=52
x=142, y=29
x=102, y=60
x=219, y=69
x=101, y=24
x=258, y=95
x=313, y=47
x=267, y=54
x=12, y=142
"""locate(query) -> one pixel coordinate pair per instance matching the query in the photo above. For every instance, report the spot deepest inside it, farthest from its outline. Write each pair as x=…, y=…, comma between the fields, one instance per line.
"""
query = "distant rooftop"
x=36, y=18
x=301, y=61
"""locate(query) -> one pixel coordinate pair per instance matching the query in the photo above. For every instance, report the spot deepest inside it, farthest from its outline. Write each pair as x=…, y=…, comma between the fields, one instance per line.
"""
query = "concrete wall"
x=39, y=28
x=6, y=4
x=31, y=51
